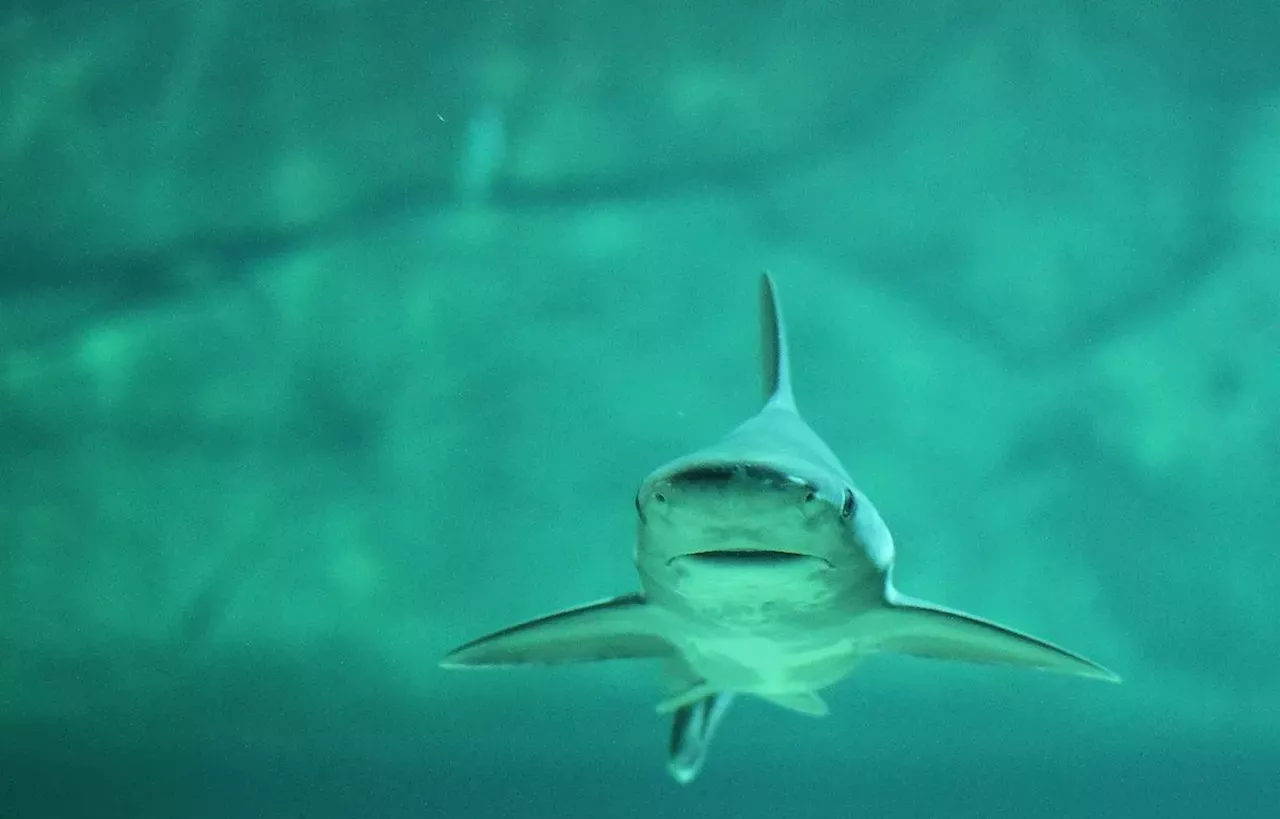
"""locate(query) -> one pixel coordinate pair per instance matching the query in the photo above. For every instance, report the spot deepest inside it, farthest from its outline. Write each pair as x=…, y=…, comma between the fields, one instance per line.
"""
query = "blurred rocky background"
x=335, y=333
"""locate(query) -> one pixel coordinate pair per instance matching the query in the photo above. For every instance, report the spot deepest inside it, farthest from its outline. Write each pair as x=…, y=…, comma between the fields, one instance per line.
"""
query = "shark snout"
x=732, y=490
x=715, y=476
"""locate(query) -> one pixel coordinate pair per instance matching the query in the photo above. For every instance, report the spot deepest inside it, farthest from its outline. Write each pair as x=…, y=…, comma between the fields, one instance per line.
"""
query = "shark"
x=763, y=571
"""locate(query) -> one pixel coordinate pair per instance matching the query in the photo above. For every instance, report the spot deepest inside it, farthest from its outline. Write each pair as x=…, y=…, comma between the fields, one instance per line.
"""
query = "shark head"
x=759, y=501
x=768, y=503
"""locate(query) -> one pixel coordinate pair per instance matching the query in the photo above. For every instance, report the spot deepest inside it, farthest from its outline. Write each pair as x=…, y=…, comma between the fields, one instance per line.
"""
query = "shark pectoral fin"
x=801, y=702
x=692, y=728
x=619, y=628
x=908, y=626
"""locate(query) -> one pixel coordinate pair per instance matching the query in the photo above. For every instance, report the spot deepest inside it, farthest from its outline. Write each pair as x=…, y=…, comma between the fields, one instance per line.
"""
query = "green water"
x=333, y=335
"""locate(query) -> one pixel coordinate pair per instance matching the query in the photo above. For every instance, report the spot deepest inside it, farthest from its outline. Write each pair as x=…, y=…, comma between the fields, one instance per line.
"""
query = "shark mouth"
x=761, y=558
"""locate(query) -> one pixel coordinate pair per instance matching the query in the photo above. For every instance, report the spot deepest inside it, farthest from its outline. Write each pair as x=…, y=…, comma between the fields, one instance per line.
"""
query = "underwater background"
x=334, y=333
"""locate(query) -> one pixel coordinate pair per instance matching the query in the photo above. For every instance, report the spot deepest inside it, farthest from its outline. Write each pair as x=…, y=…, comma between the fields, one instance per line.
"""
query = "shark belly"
x=763, y=664
x=764, y=641
x=768, y=629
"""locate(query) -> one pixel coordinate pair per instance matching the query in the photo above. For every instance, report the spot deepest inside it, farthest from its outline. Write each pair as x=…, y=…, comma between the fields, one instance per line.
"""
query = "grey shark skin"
x=764, y=571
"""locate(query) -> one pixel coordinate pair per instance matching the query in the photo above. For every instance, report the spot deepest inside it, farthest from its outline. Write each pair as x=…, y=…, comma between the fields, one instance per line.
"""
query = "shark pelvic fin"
x=619, y=628
x=801, y=702
x=688, y=696
x=914, y=627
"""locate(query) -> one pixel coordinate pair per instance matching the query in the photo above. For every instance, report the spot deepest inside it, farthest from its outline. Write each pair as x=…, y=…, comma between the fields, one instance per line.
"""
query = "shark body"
x=764, y=571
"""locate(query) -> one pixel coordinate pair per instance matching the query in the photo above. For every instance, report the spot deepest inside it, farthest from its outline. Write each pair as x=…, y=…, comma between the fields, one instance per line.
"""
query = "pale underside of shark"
x=763, y=571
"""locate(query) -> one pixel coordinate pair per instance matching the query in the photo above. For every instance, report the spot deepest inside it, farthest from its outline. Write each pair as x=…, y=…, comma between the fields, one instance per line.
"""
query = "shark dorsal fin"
x=773, y=348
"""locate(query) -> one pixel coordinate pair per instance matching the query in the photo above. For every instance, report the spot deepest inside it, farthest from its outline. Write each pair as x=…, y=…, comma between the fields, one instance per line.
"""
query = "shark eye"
x=849, y=506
